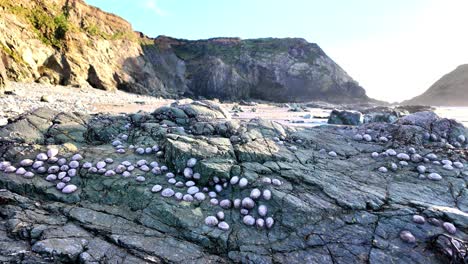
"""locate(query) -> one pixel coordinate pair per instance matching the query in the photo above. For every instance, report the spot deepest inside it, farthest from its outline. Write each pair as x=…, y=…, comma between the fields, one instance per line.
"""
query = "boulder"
x=352, y=118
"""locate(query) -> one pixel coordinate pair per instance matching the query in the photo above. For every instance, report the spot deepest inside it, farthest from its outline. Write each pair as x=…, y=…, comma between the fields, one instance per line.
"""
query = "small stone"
x=419, y=219
x=220, y=215
x=60, y=185
x=391, y=152
x=223, y=226
x=179, y=184
x=262, y=210
x=248, y=203
x=358, y=137
x=403, y=156
x=156, y=188
x=187, y=198
x=375, y=155
x=170, y=175
x=458, y=165
x=416, y=158
x=28, y=175
x=87, y=165
x=109, y=161
x=172, y=181
x=141, y=163
x=214, y=201
x=260, y=223
x=255, y=193
x=226, y=203
x=434, y=221
x=109, y=173
x=269, y=222
x=237, y=203
x=20, y=171
x=77, y=157
x=211, y=221
x=266, y=180
x=51, y=177
x=421, y=169
x=193, y=190
x=26, y=162
x=190, y=184
x=412, y=150
x=448, y=167
x=66, y=179
x=332, y=154
x=276, y=182
x=461, y=138
x=73, y=172
x=191, y=162
x=140, y=179
x=394, y=166
x=196, y=176
x=407, y=237
x=52, y=152
x=402, y=163
x=234, y=180
x=167, y=192
x=367, y=137
x=37, y=164
x=69, y=188
x=62, y=161
x=434, y=176
x=449, y=227
x=266, y=194
x=431, y=156
x=178, y=195
x=101, y=165
x=42, y=157
x=243, y=182
x=244, y=211
x=248, y=220
x=74, y=164
x=383, y=169
x=140, y=151
x=200, y=196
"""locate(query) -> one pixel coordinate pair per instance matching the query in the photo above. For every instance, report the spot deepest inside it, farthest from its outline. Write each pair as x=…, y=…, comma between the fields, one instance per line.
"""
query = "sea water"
x=458, y=113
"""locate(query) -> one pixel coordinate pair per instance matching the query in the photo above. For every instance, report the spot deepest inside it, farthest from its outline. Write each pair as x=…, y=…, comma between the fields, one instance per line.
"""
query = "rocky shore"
x=187, y=183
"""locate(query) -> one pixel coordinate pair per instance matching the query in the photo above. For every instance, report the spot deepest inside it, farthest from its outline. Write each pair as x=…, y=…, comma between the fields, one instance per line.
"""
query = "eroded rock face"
x=283, y=198
x=68, y=42
x=3, y=77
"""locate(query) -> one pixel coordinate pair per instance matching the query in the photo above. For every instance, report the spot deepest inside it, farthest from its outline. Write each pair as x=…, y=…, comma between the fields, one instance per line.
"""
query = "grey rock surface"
x=323, y=209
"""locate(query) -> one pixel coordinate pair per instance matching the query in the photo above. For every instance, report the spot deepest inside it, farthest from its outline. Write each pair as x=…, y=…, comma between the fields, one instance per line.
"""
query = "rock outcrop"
x=331, y=194
x=450, y=90
x=70, y=43
x=3, y=77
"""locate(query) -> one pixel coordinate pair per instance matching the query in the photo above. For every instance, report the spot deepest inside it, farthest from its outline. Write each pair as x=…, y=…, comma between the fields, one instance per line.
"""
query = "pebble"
x=248, y=203
x=391, y=152
x=266, y=180
x=269, y=222
x=66, y=179
x=211, y=221
x=61, y=161
x=266, y=194
x=449, y=227
x=214, y=201
x=332, y=154
x=52, y=160
x=179, y=184
x=260, y=223
x=189, y=183
x=461, y=138
x=434, y=176
x=237, y=203
x=223, y=226
x=178, y=195
x=418, y=219
x=458, y=165
x=196, y=176
x=37, y=164
x=218, y=188
x=255, y=193
x=72, y=172
x=60, y=185
x=74, y=164
x=248, y=220
x=20, y=171
x=431, y=156
x=244, y=211
x=140, y=179
x=226, y=203
x=69, y=188
x=77, y=157
x=26, y=162
x=87, y=165
x=358, y=137
x=407, y=237
x=243, y=182
x=187, y=198
x=421, y=169
x=191, y=162
x=52, y=152
x=28, y=175
x=367, y=137
x=42, y=157
x=276, y=182
x=375, y=155
x=172, y=181
x=448, y=167
x=416, y=158
x=101, y=165
x=394, y=167
x=434, y=221
x=193, y=190
x=383, y=169
x=140, y=151
x=167, y=192
x=262, y=210
x=402, y=163
x=200, y=196
x=170, y=175
x=156, y=188
x=126, y=174
x=51, y=177
x=220, y=215
x=403, y=156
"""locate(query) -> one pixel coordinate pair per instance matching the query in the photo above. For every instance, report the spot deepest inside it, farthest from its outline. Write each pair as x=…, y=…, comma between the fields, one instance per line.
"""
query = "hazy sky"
x=394, y=48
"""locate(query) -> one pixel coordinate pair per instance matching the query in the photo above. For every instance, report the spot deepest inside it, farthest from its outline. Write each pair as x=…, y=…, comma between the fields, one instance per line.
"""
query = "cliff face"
x=70, y=43
x=450, y=90
x=269, y=69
